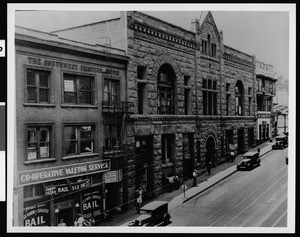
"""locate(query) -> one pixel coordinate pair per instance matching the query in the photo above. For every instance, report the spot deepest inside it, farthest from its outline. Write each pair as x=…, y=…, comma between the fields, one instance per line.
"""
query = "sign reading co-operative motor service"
x=62, y=172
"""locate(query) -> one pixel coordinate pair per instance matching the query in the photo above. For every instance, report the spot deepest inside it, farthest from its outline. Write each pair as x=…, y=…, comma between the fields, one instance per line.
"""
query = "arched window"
x=165, y=88
x=239, y=98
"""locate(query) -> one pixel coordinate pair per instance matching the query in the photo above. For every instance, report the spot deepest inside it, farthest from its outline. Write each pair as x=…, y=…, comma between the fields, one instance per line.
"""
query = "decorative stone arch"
x=166, y=62
x=210, y=146
x=166, y=59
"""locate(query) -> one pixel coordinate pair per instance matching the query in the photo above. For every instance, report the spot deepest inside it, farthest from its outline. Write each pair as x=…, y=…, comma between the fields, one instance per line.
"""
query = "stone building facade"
x=194, y=97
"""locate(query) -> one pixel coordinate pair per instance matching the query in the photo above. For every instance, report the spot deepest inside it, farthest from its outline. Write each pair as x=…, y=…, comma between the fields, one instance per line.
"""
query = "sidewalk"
x=204, y=181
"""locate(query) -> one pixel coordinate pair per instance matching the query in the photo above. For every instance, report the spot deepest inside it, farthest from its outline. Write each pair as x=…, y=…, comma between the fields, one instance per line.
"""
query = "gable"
x=208, y=27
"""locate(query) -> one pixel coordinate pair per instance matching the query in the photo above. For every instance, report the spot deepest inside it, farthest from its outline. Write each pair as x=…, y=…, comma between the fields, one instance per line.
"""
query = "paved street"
x=220, y=174
x=246, y=198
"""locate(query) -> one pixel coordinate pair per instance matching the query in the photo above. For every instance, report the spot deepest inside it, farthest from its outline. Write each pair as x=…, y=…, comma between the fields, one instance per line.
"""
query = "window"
x=112, y=137
x=111, y=91
x=78, y=89
x=204, y=47
x=165, y=87
x=229, y=139
x=239, y=98
x=214, y=50
x=38, y=143
x=38, y=86
x=78, y=139
x=250, y=100
x=210, y=97
x=33, y=191
x=168, y=141
x=188, y=145
x=141, y=97
x=141, y=72
x=187, y=96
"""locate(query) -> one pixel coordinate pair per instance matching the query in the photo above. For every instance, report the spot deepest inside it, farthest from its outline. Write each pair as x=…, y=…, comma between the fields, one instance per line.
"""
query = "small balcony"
x=266, y=91
x=109, y=107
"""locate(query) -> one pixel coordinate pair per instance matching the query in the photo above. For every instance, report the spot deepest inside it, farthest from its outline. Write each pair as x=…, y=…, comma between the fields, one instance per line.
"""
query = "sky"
x=257, y=30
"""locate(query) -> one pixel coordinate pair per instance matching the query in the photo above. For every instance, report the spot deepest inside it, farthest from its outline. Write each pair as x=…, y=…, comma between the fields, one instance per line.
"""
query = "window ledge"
x=38, y=105
x=85, y=106
x=85, y=155
x=27, y=162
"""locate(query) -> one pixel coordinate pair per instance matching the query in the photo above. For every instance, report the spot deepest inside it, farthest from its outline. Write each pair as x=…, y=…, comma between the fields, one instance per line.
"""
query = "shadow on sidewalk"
x=129, y=215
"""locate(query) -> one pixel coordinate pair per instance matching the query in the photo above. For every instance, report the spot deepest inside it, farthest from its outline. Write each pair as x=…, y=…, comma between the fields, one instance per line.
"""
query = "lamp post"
x=56, y=215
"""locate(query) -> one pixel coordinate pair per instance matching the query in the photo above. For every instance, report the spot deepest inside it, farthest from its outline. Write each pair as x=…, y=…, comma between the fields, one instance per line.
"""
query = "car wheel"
x=167, y=217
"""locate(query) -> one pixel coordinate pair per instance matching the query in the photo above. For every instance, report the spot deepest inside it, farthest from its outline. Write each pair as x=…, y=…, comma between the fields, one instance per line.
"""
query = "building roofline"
x=89, y=24
x=25, y=34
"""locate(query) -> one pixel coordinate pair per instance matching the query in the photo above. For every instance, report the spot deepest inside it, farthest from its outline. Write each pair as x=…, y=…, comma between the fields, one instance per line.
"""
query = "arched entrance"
x=210, y=150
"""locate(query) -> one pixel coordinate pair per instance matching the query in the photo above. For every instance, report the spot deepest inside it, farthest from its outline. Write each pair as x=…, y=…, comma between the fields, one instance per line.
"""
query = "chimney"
x=195, y=25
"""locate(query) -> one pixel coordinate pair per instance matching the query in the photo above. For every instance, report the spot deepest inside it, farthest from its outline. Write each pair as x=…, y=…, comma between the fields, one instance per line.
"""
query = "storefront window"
x=38, y=143
x=38, y=86
x=78, y=89
x=78, y=139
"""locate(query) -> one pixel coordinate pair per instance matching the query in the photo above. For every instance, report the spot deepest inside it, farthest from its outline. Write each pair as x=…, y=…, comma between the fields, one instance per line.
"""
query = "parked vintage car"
x=281, y=142
x=152, y=214
x=250, y=160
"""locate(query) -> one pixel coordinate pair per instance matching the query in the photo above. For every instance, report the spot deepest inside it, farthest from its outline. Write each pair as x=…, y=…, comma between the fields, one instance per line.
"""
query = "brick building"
x=194, y=97
x=61, y=115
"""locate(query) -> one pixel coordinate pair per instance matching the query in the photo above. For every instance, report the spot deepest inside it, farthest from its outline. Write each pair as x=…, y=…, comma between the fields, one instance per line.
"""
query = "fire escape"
x=116, y=115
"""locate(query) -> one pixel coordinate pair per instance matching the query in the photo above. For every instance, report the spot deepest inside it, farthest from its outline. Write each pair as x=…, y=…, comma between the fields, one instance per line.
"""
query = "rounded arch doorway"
x=210, y=150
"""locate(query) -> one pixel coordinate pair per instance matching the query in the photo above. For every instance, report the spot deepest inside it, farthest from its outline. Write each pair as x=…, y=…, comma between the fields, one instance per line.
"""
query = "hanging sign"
x=66, y=188
x=113, y=176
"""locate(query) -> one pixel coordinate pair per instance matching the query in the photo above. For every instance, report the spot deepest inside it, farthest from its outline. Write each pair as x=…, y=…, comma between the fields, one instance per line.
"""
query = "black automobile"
x=250, y=160
x=152, y=214
x=281, y=142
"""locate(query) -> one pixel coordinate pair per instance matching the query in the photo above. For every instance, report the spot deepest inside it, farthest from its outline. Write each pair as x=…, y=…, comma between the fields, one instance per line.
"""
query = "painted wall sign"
x=62, y=172
x=37, y=215
x=66, y=188
x=71, y=66
x=91, y=204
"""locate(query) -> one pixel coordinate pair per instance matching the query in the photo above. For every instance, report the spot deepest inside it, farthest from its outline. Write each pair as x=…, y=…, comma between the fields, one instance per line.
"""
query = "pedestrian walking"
x=176, y=182
x=62, y=223
x=138, y=204
x=232, y=156
x=81, y=221
x=171, y=184
x=208, y=167
x=76, y=222
x=195, y=178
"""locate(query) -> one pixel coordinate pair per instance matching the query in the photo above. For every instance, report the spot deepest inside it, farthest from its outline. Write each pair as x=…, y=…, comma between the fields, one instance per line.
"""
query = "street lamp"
x=56, y=215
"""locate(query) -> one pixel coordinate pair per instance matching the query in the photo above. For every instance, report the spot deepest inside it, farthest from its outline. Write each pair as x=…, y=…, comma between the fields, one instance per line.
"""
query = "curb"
x=226, y=176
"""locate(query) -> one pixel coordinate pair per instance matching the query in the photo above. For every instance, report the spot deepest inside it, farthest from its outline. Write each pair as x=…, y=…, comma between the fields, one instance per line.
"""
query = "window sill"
x=85, y=155
x=82, y=106
x=38, y=105
x=27, y=162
